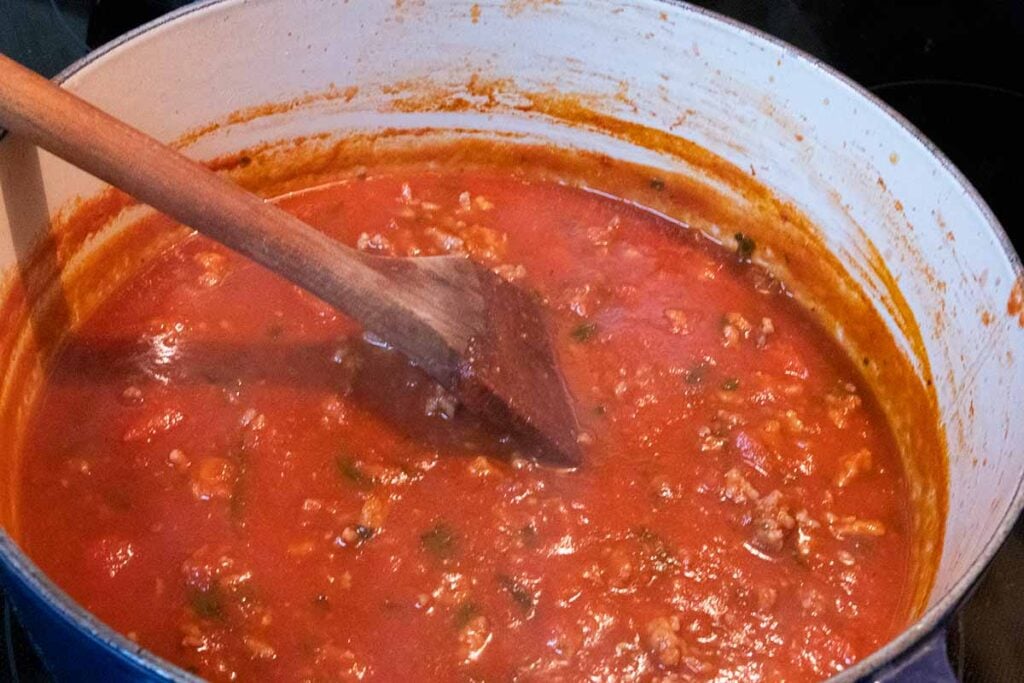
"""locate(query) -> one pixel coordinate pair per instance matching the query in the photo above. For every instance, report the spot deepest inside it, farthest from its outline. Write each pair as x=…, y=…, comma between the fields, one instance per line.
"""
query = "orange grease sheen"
x=219, y=466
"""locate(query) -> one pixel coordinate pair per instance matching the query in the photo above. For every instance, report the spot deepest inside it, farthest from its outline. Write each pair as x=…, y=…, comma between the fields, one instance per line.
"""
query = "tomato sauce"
x=246, y=483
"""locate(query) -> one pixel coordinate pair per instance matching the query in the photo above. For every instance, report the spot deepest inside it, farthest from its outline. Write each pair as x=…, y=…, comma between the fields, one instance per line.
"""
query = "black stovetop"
x=953, y=68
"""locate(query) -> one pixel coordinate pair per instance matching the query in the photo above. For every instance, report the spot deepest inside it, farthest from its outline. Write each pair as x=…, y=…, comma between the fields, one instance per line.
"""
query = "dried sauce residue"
x=1015, y=305
x=516, y=7
x=268, y=109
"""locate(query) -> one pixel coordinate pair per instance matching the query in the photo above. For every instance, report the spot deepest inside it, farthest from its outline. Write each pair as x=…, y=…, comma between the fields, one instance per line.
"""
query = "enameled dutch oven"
x=874, y=186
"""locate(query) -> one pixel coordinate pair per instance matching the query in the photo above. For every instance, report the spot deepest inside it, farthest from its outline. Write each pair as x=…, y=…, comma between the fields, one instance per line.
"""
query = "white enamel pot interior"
x=861, y=173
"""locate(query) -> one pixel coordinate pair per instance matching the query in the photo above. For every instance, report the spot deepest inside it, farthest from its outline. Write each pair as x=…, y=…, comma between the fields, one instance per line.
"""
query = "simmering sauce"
x=246, y=483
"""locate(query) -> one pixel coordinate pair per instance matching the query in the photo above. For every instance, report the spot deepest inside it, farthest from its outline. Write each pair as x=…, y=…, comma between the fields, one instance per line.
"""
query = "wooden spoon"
x=480, y=337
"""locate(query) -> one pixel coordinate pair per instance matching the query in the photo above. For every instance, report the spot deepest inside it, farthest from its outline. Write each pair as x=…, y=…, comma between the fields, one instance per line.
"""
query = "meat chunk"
x=737, y=488
x=766, y=598
x=805, y=527
x=793, y=422
x=735, y=328
x=841, y=403
x=113, y=554
x=482, y=467
x=771, y=522
x=509, y=272
x=178, y=459
x=739, y=322
x=677, y=320
x=151, y=427
x=333, y=411
x=764, y=330
x=583, y=300
x=663, y=640
x=374, y=512
x=132, y=396
x=446, y=241
x=375, y=243
x=441, y=404
x=214, y=478
x=812, y=601
x=714, y=436
x=709, y=441
x=336, y=663
x=259, y=649
x=253, y=425
x=853, y=466
x=214, y=267
x=845, y=527
x=485, y=244
x=474, y=637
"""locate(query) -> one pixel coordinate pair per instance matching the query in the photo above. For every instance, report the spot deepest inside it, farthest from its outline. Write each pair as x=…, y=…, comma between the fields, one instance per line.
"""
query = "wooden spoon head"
x=510, y=374
x=487, y=341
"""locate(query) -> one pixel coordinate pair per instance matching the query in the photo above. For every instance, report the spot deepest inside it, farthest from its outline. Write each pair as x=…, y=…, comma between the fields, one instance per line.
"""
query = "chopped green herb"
x=518, y=592
x=439, y=541
x=465, y=612
x=731, y=384
x=207, y=604
x=744, y=246
x=350, y=470
x=584, y=332
x=657, y=184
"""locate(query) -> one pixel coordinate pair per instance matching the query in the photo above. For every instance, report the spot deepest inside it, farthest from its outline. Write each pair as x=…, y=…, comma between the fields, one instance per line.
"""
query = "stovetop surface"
x=952, y=68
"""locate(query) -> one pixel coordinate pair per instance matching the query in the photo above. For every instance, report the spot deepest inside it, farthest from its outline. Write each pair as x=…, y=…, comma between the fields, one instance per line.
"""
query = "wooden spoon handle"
x=190, y=193
x=462, y=324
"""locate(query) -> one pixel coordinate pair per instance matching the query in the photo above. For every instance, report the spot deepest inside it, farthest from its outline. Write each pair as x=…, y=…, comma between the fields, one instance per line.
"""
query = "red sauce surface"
x=226, y=470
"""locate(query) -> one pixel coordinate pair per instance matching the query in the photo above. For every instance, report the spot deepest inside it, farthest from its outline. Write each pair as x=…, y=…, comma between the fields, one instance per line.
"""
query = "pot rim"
x=912, y=635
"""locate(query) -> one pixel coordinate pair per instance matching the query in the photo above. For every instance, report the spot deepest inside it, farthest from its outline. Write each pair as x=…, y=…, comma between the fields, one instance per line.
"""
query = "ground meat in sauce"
x=254, y=488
